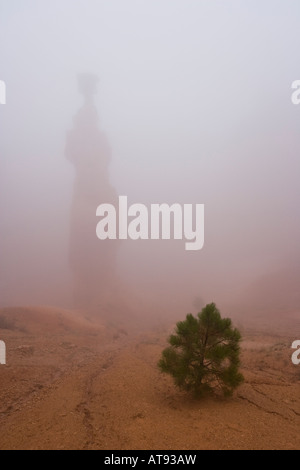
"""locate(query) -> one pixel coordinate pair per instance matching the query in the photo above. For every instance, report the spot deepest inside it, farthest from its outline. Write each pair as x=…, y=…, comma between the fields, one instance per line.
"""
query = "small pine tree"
x=204, y=353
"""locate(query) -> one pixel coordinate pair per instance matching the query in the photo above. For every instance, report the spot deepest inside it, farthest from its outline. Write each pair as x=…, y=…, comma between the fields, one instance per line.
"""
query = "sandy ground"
x=71, y=383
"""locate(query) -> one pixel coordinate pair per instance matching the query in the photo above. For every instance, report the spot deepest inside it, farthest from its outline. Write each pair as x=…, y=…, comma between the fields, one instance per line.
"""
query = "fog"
x=194, y=103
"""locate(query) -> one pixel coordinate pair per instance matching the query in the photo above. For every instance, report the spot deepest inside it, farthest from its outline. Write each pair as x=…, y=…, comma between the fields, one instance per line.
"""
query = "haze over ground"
x=195, y=101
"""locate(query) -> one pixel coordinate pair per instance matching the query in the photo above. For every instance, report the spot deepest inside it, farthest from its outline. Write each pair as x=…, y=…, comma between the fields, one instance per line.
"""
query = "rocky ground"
x=72, y=383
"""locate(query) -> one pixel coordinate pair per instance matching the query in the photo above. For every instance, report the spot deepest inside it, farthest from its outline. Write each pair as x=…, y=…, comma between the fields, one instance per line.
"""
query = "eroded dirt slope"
x=71, y=383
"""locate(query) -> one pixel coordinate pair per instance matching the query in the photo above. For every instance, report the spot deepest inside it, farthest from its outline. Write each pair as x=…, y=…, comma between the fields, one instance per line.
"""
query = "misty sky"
x=195, y=99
